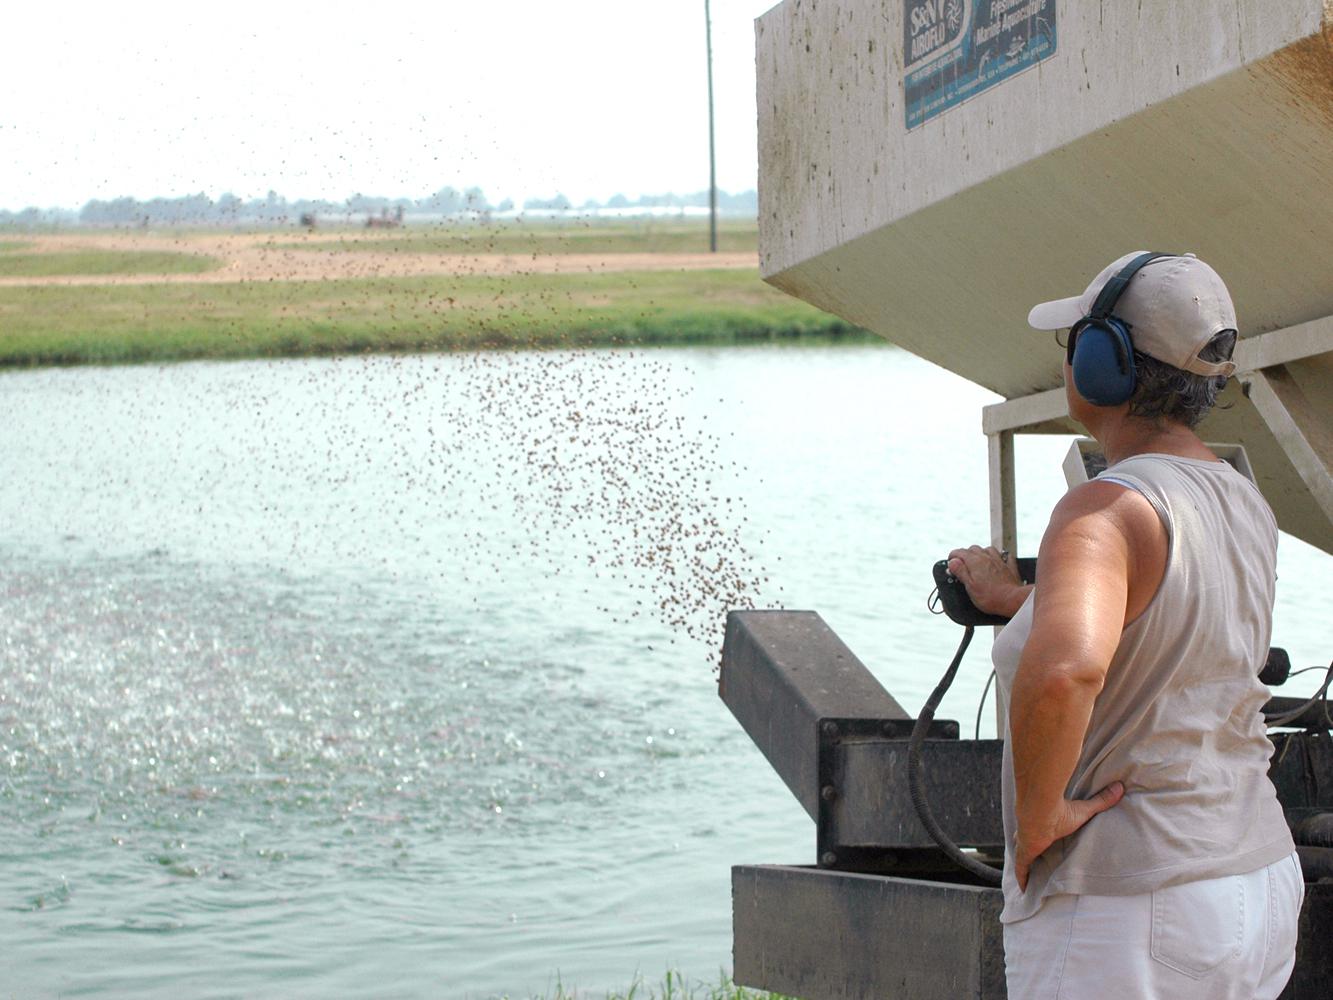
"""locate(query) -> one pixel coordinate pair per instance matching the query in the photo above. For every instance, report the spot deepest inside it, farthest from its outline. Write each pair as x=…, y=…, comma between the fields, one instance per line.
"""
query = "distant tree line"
x=274, y=209
x=35, y=218
x=747, y=202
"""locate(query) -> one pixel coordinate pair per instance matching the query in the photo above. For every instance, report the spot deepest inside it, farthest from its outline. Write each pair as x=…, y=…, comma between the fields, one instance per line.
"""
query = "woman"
x=1147, y=855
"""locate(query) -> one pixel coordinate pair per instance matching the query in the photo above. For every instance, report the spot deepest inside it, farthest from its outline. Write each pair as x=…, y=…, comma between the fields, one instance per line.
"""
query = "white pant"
x=1214, y=939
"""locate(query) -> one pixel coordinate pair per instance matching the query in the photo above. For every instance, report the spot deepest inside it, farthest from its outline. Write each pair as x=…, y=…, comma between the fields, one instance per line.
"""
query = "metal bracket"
x=834, y=735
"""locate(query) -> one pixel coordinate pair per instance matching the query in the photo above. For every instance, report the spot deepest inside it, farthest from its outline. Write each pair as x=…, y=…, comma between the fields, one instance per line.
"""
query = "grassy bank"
x=16, y=264
x=674, y=986
x=102, y=324
x=297, y=293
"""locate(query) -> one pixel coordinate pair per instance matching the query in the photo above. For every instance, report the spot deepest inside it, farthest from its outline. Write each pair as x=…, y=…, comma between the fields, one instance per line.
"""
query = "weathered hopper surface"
x=1205, y=127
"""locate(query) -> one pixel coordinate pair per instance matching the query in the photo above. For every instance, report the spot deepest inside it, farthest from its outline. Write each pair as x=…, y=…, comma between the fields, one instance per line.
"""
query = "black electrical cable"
x=1305, y=670
x=1275, y=721
x=976, y=731
x=989, y=875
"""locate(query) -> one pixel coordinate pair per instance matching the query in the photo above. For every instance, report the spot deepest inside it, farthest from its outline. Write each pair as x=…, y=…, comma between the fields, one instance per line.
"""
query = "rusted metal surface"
x=1306, y=70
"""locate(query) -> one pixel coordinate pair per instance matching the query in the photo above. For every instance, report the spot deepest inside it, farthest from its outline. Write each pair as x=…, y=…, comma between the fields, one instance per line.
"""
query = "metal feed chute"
x=929, y=170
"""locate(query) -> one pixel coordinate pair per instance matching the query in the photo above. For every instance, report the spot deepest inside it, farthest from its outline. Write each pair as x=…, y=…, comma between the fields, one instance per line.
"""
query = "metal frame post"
x=1003, y=519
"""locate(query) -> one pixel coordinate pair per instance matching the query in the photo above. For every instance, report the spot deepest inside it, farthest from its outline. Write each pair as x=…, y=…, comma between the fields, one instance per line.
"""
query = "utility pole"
x=712, y=151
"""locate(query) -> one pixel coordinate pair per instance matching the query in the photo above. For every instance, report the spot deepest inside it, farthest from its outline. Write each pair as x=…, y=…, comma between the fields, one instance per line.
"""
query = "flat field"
x=108, y=296
x=51, y=263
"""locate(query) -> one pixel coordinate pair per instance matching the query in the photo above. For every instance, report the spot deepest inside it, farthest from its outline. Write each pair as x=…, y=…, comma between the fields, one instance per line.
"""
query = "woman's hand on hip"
x=991, y=578
x=1070, y=817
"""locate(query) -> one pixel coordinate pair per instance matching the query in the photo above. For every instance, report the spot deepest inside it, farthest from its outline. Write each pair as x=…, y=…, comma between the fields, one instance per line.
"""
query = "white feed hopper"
x=929, y=169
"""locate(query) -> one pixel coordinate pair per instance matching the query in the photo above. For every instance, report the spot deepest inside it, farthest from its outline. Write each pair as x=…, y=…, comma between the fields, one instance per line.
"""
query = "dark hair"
x=1163, y=392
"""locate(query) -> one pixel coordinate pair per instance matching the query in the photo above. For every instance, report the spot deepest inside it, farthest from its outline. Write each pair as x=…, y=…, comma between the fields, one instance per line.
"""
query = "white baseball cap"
x=1172, y=305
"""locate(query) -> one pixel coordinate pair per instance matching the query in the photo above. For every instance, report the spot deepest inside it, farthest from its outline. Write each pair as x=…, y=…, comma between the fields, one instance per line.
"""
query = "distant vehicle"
x=308, y=220
x=384, y=220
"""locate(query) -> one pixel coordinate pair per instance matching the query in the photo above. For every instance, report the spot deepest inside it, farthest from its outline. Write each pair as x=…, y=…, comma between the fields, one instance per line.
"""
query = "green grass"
x=100, y=262
x=674, y=986
x=8, y=246
x=630, y=236
x=52, y=325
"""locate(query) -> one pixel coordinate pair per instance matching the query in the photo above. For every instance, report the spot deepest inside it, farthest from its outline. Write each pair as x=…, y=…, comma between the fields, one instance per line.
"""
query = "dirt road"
x=252, y=257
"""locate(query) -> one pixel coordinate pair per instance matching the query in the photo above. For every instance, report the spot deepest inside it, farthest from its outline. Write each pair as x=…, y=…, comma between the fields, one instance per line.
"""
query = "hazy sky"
x=589, y=98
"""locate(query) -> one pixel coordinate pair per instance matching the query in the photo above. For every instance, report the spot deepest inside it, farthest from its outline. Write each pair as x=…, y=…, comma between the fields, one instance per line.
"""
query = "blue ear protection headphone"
x=1100, y=349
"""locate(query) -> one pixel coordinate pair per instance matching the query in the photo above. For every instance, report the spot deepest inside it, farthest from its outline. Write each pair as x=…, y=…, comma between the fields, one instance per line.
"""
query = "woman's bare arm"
x=1101, y=560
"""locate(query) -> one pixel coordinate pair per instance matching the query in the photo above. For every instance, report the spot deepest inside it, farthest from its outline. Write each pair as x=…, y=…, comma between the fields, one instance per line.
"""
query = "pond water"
x=394, y=676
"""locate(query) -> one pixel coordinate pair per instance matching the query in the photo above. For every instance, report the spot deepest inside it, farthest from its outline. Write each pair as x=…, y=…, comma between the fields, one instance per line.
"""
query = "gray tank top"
x=1179, y=718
